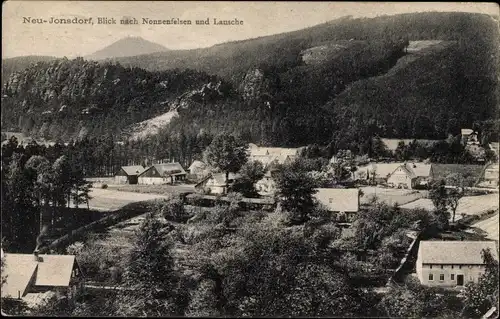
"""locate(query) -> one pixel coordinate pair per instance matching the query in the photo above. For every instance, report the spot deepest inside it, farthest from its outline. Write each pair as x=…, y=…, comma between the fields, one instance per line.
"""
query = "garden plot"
x=390, y=196
x=468, y=205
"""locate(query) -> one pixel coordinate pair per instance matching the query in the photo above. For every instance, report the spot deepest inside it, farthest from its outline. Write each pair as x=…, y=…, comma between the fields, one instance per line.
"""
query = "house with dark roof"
x=339, y=200
x=128, y=174
x=166, y=173
x=452, y=263
x=30, y=276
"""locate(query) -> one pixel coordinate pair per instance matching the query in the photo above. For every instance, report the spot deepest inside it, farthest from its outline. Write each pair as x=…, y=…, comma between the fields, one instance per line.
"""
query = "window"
x=431, y=277
x=451, y=266
x=441, y=277
x=452, y=276
x=470, y=278
x=460, y=267
x=441, y=266
x=330, y=200
x=430, y=266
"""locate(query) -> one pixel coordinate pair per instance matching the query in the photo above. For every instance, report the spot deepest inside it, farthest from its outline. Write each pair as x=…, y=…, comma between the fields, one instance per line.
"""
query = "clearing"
x=390, y=196
x=153, y=189
x=468, y=205
x=151, y=126
x=110, y=199
x=466, y=170
x=489, y=226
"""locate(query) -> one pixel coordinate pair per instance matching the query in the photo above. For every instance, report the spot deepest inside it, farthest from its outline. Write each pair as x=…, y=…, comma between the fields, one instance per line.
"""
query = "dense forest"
x=340, y=83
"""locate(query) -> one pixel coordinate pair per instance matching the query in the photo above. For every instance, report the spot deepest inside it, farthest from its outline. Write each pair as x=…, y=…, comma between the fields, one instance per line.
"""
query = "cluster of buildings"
x=156, y=174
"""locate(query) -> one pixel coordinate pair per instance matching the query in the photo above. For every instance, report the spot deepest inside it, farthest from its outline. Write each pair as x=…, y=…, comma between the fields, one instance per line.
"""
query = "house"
x=377, y=172
x=469, y=137
x=198, y=169
x=166, y=173
x=128, y=174
x=268, y=155
x=32, y=275
x=452, y=263
x=339, y=200
x=215, y=183
x=266, y=186
x=410, y=175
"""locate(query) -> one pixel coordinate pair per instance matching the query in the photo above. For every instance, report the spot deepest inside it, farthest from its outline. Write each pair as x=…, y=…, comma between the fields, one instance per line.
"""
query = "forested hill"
x=11, y=65
x=71, y=99
x=477, y=33
x=339, y=82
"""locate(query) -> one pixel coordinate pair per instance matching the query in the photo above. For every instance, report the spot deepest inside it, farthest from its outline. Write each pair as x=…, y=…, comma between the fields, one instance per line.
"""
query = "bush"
x=104, y=186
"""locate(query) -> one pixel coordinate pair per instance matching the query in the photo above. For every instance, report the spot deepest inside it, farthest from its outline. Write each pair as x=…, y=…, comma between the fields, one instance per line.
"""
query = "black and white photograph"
x=250, y=159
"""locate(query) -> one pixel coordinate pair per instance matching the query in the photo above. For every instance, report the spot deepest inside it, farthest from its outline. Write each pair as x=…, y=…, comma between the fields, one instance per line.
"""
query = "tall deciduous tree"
x=226, y=153
x=295, y=190
x=481, y=296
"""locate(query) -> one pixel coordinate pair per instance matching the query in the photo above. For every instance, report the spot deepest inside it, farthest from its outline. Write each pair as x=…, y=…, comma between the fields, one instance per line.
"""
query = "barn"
x=128, y=174
x=166, y=173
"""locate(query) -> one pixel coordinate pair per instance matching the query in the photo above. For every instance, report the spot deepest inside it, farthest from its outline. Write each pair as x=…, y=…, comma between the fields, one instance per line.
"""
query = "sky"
x=259, y=19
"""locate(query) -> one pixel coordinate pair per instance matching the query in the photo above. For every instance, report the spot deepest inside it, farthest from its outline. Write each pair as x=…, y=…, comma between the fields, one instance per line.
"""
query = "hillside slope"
x=340, y=83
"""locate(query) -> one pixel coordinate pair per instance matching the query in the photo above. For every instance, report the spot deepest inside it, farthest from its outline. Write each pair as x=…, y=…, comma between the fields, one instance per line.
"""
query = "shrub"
x=104, y=186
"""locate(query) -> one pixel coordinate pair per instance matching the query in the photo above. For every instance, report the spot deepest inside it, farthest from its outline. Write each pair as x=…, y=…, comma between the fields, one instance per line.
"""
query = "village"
x=405, y=185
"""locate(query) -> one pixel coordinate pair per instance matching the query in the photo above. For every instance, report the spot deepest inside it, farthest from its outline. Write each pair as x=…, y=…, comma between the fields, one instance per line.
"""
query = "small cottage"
x=339, y=200
x=166, y=173
x=128, y=174
x=461, y=263
x=216, y=183
x=32, y=275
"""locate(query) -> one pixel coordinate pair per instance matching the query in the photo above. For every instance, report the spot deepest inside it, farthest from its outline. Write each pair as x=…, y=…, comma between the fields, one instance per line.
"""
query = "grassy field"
x=468, y=205
x=471, y=172
x=390, y=196
x=113, y=199
x=153, y=189
x=489, y=227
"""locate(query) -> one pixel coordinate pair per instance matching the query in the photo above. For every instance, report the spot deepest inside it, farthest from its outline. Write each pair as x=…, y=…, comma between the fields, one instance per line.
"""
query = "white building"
x=452, y=263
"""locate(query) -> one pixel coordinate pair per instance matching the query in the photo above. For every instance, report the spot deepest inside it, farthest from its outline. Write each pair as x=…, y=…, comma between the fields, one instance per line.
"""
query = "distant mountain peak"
x=128, y=46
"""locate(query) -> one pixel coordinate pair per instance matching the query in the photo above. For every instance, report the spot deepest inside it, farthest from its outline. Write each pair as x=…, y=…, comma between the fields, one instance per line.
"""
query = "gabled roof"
x=53, y=270
x=167, y=169
x=339, y=199
x=19, y=268
x=454, y=252
x=197, y=165
x=133, y=170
